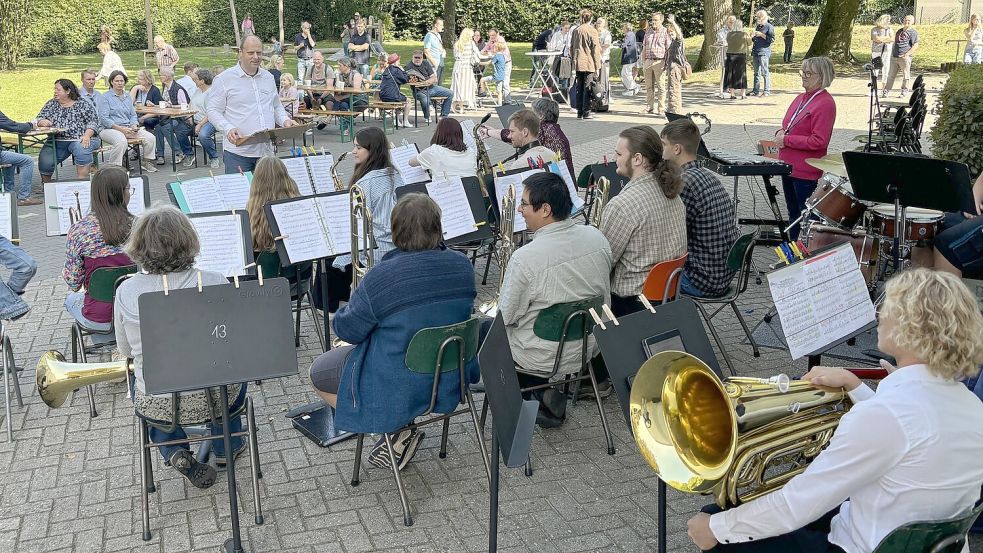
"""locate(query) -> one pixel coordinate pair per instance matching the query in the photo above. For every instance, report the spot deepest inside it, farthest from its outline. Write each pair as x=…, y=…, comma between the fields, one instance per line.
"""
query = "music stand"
x=206, y=337
x=505, y=111
x=472, y=188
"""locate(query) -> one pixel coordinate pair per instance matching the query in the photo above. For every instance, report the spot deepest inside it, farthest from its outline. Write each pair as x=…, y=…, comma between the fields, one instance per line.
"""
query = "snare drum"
x=865, y=246
x=920, y=224
x=835, y=203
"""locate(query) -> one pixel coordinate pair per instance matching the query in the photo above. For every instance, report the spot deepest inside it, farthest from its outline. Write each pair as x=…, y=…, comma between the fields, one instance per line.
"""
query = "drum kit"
x=834, y=214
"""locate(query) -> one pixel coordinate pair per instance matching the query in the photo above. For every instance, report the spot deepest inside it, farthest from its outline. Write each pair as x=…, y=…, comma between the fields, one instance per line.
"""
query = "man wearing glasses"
x=421, y=71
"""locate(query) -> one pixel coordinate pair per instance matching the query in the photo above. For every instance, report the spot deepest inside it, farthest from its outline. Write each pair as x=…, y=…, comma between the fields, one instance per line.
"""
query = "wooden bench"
x=385, y=108
x=346, y=120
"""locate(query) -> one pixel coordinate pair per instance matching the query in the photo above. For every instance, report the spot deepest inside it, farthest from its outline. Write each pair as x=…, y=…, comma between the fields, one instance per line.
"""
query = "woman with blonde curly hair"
x=908, y=452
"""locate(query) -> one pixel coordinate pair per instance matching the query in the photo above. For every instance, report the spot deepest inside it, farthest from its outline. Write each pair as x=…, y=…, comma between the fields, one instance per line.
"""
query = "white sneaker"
x=148, y=166
x=214, y=163
x=407, y=124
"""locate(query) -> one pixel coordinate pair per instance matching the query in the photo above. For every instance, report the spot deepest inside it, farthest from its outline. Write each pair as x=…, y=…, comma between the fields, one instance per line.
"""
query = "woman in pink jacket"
x=805, y=133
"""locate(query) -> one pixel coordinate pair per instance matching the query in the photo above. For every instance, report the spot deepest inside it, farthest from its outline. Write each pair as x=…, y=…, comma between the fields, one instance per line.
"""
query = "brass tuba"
x=738, y=439
x=338, y=185
x=505, y=247
x=361, y=221
x=57, y=378
x=602, y=192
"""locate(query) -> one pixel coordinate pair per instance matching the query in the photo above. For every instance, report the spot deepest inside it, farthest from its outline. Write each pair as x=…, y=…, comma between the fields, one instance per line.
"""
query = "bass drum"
x=834, y=202
x=866, y=247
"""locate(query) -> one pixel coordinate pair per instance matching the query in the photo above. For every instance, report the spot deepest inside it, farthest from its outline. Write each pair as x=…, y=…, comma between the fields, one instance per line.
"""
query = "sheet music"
x=6, y=216
x=401, y=159
x=297, y=169
x=456, y=217
x=297, y=220
x=202, y=196
x=336, y=215
x=321, y=172
x=502, y=183
x=821, y=300
x=221, y=240
x=137, y=201
x=468, y=127
x=561, y=169
x=234, y=189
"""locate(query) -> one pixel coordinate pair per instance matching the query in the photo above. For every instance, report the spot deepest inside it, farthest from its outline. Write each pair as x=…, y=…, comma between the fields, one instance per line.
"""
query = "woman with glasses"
x=805, y=133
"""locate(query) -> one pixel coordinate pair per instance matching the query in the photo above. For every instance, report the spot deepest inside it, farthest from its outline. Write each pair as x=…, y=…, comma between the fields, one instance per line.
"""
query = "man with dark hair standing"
x=761, y=39
x=304, y=41
x=566, y=262
x=585, y=57
x=711, y=227
x=905, y=44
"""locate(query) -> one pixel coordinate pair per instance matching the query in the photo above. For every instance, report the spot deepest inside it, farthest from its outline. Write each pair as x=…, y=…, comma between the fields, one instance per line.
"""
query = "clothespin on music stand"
x=781, y=254
x=803, y=249
x=322, y=151
x=259, y=274
x=605, y=160
x=599, y=320
x=167, y=288
x=281, y=237
x=501, y=168
x=199, y=282
x=645, y=301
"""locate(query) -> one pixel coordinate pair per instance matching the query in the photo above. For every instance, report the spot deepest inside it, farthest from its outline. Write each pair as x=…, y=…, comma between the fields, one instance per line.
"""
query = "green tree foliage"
x=956, y=135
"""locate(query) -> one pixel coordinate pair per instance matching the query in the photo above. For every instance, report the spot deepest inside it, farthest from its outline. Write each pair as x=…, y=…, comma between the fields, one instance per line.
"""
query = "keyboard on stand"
x=729, y=163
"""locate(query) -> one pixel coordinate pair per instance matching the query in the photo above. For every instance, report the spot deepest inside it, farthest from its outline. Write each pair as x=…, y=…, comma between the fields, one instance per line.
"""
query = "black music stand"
x=206, y=337
x=513, y=418
x=472, y=188
x=623, y=340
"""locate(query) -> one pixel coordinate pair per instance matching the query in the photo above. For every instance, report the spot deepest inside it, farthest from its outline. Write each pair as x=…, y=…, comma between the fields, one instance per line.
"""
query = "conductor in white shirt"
x=242, y=101
x=909, y=452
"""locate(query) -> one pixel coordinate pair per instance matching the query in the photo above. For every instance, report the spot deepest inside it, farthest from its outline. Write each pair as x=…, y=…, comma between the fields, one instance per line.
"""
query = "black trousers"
x=813, y=538
x=583, y=83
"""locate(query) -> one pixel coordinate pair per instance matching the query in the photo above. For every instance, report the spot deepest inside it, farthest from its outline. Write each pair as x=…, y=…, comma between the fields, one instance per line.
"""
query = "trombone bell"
x=57, y=378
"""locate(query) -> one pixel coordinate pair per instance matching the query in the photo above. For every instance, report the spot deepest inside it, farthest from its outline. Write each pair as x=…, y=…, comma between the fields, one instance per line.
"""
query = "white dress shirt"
x=247, y=103
x=909, y=452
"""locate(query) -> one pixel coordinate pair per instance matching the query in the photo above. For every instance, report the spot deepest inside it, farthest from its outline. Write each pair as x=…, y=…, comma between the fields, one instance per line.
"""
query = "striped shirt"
x=655, y=44
x=166, y=57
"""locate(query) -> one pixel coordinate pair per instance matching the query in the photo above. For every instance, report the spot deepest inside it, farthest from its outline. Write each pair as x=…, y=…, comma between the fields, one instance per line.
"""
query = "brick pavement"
x=71, y=483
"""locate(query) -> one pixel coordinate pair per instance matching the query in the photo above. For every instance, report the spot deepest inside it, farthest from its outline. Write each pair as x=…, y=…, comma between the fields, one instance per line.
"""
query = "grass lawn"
x=24, y=91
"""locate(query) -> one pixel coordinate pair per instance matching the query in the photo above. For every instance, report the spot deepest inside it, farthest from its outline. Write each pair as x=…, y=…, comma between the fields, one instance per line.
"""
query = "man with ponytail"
x=646, y=223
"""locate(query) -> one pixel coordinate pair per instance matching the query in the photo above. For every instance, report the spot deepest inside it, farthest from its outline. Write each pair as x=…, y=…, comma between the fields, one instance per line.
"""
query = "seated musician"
x=447, y=155
x=346, y=77
x=959, y=247
x=417, y=285
x=565, y=262
x=711, y=227
x=95, y=241
x=164, y=244
x=524, y=133
x=646, y=223
x=375, y=174
x=391, y=77
x=908, y=452
x=550, y=134
x=420, y=70
x=321, y=75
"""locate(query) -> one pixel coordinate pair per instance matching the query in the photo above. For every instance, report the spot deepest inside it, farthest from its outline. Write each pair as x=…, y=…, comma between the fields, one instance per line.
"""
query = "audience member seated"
x=380, y=65
x=645, y=223
x=550, y=135
x=391, y=78
x=419, y=284
x=711, y=226
x=420, y=70
x=79, y=119
x=96, y=241
x=22, y=269
x=322, y=75
x=164, y=244
x=146, y=93
x=289, y=95
x=120, y=123
x=88, y=90
x=908, y=452
x=447, y=156
x=959, y=247
x=346, y=77
x=110, y=62
x=18, y=162
x=565, y=262
x=176, y=130
x=187, y=82
x=204, y=129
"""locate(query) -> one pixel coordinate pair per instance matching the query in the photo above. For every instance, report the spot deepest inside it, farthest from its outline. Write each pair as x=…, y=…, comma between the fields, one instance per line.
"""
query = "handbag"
x=687, y=70
x=566, y=69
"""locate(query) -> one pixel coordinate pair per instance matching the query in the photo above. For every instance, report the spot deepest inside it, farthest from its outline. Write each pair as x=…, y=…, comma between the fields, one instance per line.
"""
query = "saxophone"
x=338, y=185
x=506, y=245
x=484, y=162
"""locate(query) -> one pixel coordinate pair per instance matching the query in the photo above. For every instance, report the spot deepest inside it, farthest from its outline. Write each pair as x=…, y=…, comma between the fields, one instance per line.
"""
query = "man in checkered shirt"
x=711, y=229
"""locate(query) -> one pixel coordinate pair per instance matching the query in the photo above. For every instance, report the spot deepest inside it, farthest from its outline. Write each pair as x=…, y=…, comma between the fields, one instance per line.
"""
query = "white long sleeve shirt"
x=248, y=103
x=909, y=452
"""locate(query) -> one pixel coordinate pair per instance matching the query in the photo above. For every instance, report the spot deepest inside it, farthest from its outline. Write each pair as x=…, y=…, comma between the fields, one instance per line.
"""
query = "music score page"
x=456, y=217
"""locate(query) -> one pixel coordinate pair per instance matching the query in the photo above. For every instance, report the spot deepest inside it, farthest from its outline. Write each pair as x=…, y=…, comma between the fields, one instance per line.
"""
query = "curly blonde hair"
x=936, y=319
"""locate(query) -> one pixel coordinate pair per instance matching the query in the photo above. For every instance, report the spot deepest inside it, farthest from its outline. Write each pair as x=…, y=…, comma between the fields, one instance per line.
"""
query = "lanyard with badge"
x=802, y=106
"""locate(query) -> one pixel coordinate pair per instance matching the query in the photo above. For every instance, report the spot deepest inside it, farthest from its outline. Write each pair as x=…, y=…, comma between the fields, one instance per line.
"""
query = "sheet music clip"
x=167, y=289
x=645, y=301
x=281, y=237
x=199, y=282
x=599, y=320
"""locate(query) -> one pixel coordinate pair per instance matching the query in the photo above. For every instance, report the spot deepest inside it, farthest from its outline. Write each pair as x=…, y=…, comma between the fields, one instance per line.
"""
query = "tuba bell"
x=57, y=378
x=738, y=439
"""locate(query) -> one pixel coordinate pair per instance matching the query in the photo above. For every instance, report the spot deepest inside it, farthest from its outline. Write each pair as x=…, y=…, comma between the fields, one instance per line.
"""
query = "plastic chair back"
x=550, y=322
x=740, y=251
x=438, y=350
x=269, y=263
x=102, y=283
x=662, y=282
x=934, y=536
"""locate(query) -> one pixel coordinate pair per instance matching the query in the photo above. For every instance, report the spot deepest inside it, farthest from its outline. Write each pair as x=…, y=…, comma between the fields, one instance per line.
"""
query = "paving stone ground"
x=71, y=483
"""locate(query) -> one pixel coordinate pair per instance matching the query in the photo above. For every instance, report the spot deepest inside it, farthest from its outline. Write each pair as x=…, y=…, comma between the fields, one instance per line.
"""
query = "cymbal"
x=830, y=163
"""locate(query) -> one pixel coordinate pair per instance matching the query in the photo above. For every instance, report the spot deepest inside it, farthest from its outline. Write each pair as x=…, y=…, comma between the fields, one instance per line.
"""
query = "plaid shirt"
x=655, y=44
x=643, y=227
x=710, y=230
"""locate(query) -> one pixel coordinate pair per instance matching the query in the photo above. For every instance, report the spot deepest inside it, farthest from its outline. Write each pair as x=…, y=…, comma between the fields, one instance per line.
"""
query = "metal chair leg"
x=484, y=412
x=479, y=434
x=254, y=457
x=6, y=393
x=358, y=460
x=716, y=338
x=600, y=410
x=91, y=392
x=8, y=352
x=144, y=479
x=407, y=517
x=316, y=319
x=747, y=331
x=443, y=439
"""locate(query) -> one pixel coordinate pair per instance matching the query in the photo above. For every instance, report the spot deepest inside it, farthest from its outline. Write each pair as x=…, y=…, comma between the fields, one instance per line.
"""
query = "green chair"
x=300, y=276
x=102, y=287
x=438, y=351
x=933, y=536
x=739, y=260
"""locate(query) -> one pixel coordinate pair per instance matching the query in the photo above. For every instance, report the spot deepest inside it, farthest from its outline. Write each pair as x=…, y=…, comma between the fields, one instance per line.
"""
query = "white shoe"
x=148, y=166
x=178, y=159
x=214, y=163
x=407, y=124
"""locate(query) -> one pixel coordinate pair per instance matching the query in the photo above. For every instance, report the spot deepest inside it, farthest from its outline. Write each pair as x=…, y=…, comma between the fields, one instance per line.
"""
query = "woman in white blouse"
x=463, y=84
x=447, y=156
x=881, y=44
x=909, y=452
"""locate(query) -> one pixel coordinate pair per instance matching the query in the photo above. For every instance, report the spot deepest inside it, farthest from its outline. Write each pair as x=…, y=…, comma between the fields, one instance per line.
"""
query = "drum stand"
x=875, y=107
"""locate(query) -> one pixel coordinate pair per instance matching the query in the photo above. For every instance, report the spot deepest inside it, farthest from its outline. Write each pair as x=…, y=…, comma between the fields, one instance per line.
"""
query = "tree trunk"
x=149, y=17
x=450, y=24
x=13, y=17
x=235, y=21
x=835, y=29
x=280, y=15
x=713, y=13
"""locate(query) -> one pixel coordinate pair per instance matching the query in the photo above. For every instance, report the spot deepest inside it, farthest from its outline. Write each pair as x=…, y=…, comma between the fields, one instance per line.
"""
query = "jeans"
x=440, y=74
x=687, y=287
x=796, y=191
x=760, y=62
x=304, y=66
x=235, y=162
x=787, y=56
x=49, y=157
x=207, y=140
x=22, y=268
x=584, y=83
x=436, y=91
x=174, y=130
x=73, y=304
x=973, y=55
x=26, y=166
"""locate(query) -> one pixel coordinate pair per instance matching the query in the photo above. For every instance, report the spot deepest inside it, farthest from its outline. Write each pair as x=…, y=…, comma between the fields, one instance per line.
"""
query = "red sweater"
x=807, y=136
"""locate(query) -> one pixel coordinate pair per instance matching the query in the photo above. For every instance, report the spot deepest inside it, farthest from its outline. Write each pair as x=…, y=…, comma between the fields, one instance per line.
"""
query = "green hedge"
x=957, y=132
